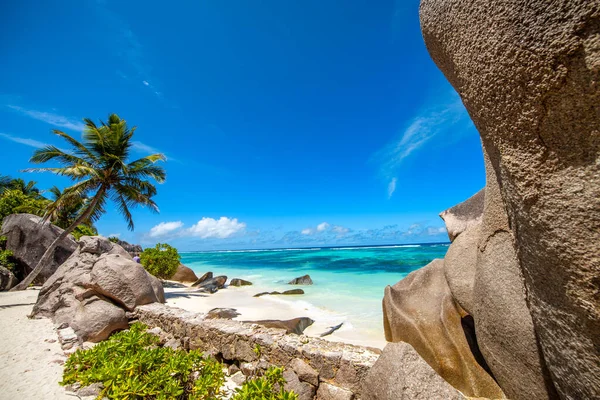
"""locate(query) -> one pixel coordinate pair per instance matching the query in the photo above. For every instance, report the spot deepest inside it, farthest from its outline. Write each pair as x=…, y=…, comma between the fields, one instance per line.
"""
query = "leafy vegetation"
x=114, y=239
x=101, y=171
x=161, y=261
x=7, y=260
x=267, y=387
x=15, y=201
x=131, y=366
x=84, y=230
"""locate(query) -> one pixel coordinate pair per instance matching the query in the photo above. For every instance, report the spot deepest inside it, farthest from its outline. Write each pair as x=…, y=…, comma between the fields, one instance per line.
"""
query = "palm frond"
x=80, y=149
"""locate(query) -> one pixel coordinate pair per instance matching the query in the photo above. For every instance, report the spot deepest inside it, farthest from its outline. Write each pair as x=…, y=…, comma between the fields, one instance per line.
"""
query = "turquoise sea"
x=348, y=281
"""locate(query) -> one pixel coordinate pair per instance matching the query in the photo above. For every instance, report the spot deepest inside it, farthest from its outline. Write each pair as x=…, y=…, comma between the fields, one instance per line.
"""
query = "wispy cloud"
x=144, y=148
x=59, y=121
x=392, y=187
x=442, y=118
x=25, y=141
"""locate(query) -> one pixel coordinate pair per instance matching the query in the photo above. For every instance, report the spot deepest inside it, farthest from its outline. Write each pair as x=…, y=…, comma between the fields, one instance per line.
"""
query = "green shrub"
x=7, y=260
x=84, y=230
x=3, y=240
x=267, y=387
x=114, y=239
x=131, y=366
x=15, y=201
x=161, y=261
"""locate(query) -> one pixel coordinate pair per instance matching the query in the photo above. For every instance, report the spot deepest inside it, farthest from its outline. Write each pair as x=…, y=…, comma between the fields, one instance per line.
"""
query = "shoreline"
x=279, y=307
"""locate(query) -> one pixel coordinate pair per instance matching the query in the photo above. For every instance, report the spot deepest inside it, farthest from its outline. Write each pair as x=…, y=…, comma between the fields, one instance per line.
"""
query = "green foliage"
x=84, y=230
x=114, y=239
x=3, y=240
x=131, y=366
x=7, y=260
x=14, y=201
x=161, y=261
x=267, y=387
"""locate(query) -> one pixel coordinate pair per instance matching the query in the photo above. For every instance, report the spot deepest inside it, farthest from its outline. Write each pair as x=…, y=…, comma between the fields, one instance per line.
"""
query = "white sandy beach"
x=31, y=355
x=269, y=307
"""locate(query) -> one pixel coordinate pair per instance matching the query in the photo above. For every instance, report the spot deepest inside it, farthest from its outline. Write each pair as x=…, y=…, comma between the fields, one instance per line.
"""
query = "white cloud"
x=211, y=228
x=164, y=228
x=145, y=83
x=25, y=141
x=391, y=187
x=143, y=147
x=322, y=226
x=306, y=231
x=50, y=118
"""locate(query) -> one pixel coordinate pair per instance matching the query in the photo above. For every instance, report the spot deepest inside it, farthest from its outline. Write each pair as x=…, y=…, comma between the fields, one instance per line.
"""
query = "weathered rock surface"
x=420, y=310
x=222, y=313
x=464, y=215
x=460, y=265
x=302, y=280
x=400, y=373
x=184, y=274
x=305, y=391
x=285, y=293
x=85, y=290
x=331, y=392
x=7, y=279
x=305, y=372
x=130, y=248
x=294, y=325
x=28, y=239
x=239, y=282
x=205, y=277
x=123, y=281
x=528, y=74
x=211, y=285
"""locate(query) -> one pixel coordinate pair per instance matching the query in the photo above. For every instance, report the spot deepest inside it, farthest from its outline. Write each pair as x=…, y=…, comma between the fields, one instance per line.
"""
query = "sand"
x=268, y=307
x=29, y=349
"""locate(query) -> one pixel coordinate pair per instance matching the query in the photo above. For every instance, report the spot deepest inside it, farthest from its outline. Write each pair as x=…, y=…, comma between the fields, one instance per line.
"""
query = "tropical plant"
x=131, y=365
x=28, y=188
x=15, y=201
x=100, y=169
x=161, y=261
x=4, y=183
x=267, y=387
x=84, y=230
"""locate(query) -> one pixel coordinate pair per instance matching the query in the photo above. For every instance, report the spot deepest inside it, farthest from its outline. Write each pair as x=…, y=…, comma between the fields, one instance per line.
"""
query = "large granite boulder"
x=464, y=215
x=400, y=373
x=529, y=75
x=132, y=249
x=421, y=311
x=91, y=291
x=28, y=239
x=460, y=265
x=184, y=274
x=294, y=325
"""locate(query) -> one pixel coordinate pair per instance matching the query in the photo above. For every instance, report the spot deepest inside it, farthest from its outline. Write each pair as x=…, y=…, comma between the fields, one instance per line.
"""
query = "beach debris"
x=184, y=274
x=222, y=313
x=331, y=329
x=203, y=278
x=287, y=292
x=239, y=282
x=301, y=280
x=295, y=325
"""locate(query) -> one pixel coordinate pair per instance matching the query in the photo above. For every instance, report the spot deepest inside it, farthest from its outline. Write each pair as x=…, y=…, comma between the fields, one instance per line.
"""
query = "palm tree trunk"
x=50, y=250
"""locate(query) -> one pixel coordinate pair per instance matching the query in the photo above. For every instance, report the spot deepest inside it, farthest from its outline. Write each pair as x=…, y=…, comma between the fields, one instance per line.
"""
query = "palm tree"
x=64, y=209
x=100, y=169
x=4, y=183
x=28, y=188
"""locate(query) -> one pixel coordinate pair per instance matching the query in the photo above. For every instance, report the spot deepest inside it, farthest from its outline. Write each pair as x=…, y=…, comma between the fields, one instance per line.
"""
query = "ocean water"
x=349, y=282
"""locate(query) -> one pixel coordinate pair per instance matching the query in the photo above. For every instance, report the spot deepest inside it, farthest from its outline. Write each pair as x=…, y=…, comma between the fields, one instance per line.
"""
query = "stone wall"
x=314, y=366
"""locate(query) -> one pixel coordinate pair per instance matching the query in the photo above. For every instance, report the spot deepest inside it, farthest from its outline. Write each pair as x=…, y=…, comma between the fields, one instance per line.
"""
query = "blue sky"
x=285, y=124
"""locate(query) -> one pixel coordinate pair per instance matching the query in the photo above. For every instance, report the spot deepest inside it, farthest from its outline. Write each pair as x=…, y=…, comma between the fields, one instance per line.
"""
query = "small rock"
x=295, y=325
x=222, y=313
x=249, y=368
x=330, y=392
x=232, y=369
x=305, y=372
x=203, y=278
x=302, y=280
x=173, y=343
x=156, y=331
x=238, y=378
x=293, y=291
x=305, y=391
x=91, y=390
x=239, y=282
